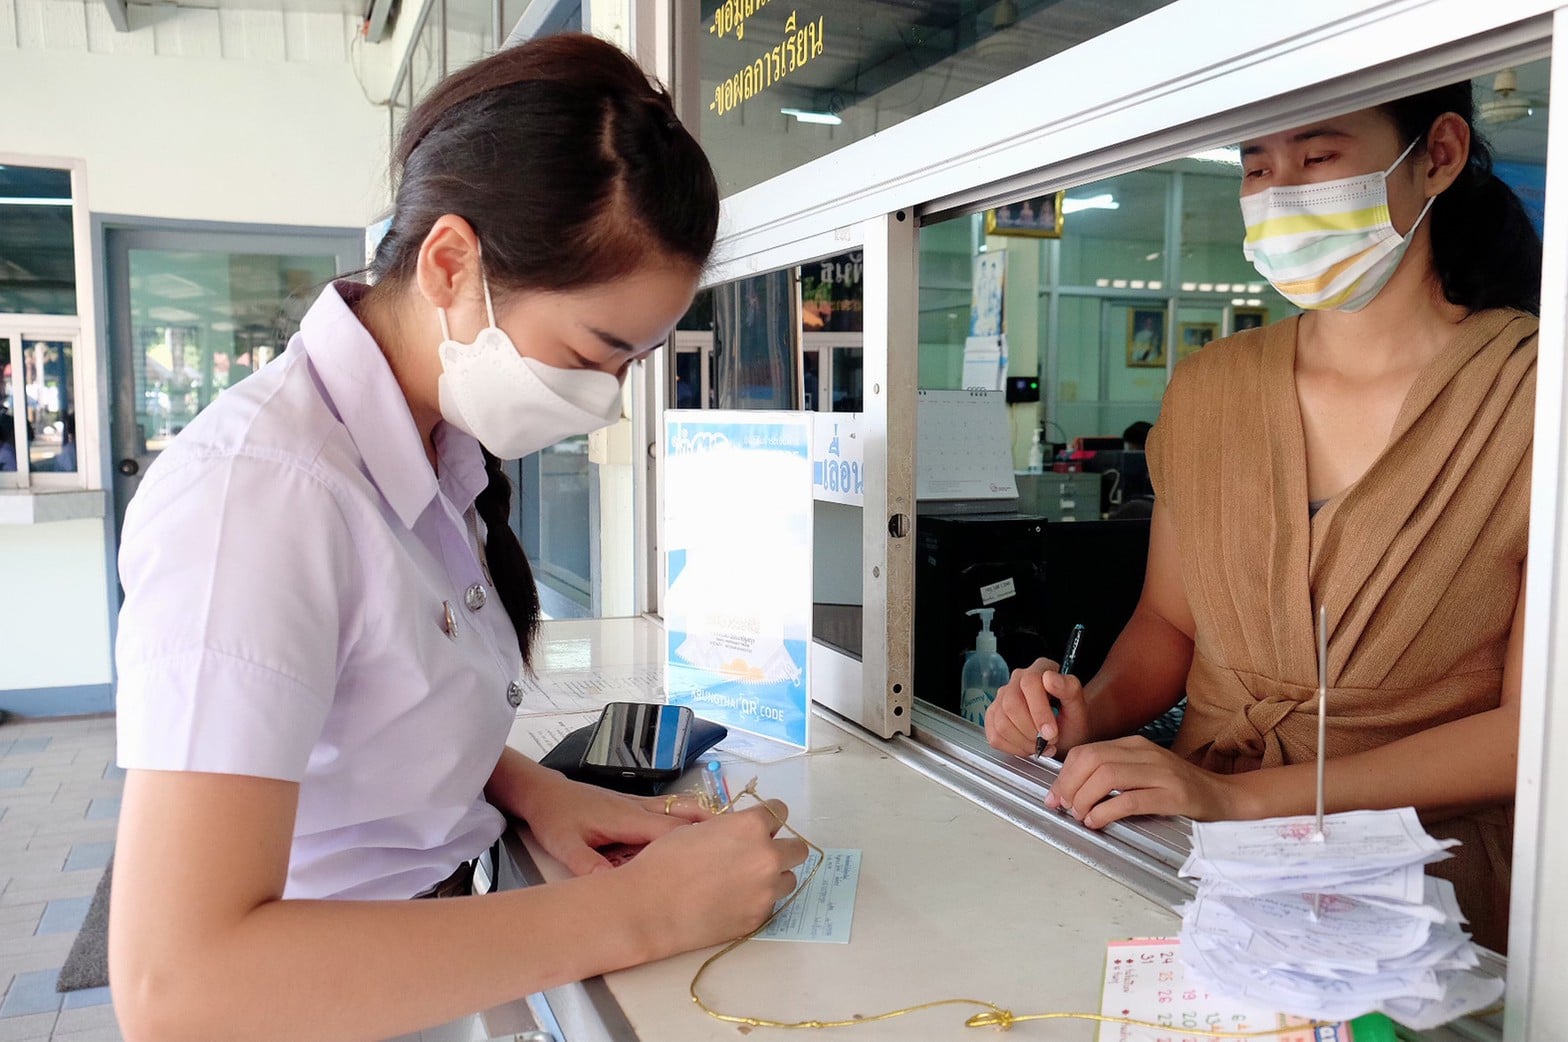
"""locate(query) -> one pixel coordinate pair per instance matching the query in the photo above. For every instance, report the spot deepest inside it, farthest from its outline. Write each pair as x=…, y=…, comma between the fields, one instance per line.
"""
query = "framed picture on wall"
x=1248, y=318
x=1146, y=338
x=1193, y=335
x=1040, y=218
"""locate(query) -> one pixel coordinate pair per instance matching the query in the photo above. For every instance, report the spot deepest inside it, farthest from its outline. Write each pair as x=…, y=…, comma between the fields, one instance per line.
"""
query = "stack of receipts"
x=1384, y=937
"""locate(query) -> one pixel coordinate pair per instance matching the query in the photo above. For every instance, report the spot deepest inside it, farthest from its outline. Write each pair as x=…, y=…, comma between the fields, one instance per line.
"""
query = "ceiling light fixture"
x=1227, y=154
x=827, y=119
x=25, y=201
x=1105, y=201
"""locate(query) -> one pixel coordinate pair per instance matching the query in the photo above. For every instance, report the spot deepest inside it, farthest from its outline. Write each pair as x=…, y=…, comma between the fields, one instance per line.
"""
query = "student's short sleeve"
x=236, y=571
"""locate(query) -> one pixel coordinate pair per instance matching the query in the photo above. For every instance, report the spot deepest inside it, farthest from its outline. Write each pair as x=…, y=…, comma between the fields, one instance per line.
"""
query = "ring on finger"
x=669, y=801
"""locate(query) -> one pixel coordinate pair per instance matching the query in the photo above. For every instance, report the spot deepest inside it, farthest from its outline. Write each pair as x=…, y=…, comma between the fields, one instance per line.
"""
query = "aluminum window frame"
x=88, y=362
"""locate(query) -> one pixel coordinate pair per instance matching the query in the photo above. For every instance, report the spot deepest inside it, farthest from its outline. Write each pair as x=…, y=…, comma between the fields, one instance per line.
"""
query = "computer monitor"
x=1126, y=477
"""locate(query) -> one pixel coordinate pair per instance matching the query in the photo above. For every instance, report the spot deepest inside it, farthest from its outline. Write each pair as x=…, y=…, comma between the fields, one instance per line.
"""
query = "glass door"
x=191, y=314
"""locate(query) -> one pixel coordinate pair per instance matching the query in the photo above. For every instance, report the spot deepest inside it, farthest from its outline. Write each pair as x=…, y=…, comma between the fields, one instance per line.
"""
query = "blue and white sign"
x=838, y=467
x=737, y=608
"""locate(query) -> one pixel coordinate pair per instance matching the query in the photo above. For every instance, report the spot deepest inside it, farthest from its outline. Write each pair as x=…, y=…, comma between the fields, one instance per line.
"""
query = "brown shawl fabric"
x=1418, y=563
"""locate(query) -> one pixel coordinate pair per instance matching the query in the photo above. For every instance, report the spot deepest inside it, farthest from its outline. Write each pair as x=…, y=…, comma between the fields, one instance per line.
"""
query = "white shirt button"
x=514, y=694
x=475, y=597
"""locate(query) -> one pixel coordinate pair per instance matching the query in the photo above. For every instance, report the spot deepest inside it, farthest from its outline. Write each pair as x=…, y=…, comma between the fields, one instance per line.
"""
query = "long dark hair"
x=569, y=163
x=1484, y=248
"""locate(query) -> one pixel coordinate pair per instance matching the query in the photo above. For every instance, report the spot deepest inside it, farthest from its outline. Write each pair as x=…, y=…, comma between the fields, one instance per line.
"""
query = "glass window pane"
x=1146, y=270
x=811, y=364
x=469, y=28
x=848, y=379
x=688, y=380
x=832, y=295
x=784, y=84
x=37, y=247
x=756, y=341
x=8, y=435
x=201, y=322
x=947, y=253
x=691, y=344
x=565, y=477
x=1115, y=230
x=51, y=411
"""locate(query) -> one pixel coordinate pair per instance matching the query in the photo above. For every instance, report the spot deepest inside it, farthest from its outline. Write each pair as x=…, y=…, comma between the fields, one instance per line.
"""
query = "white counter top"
x=953, y=901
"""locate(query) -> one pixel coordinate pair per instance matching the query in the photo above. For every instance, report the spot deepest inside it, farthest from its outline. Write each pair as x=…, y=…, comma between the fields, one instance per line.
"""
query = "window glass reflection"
x=756, y=330
x=37, y=244
x=566, y=477
x=1143, y=269
x=51, y=410
x=8, y=439
x=201, y=322
x=784, y=84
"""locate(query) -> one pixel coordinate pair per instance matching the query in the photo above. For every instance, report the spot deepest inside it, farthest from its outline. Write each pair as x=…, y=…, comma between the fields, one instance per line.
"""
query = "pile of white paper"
x=1385, y=936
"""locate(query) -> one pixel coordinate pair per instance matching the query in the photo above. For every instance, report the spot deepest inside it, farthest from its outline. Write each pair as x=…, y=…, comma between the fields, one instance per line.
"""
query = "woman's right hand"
x=715, y=880
x=1022, y=711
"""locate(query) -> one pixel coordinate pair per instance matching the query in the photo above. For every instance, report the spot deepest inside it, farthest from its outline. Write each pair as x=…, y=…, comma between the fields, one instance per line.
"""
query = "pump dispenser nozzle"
x=986, y=641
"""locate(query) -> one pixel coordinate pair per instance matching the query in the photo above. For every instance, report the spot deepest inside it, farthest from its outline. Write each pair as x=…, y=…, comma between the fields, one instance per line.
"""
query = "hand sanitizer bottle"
x=1037, y=452
x=984, y=671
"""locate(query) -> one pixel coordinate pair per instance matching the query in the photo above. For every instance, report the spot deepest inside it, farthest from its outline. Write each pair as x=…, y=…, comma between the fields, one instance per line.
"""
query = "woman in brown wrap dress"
x=1375, y=462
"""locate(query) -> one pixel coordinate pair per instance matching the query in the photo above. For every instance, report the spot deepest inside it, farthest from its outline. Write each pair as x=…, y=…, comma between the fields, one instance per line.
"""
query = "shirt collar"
x=362, y=390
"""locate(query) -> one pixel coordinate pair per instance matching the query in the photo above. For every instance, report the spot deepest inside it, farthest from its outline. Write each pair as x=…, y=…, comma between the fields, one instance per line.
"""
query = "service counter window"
x=1135, y=274
x=782, y=84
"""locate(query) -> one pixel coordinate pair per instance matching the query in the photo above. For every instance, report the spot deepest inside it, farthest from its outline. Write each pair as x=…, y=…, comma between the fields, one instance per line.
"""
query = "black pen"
x=1073, y=640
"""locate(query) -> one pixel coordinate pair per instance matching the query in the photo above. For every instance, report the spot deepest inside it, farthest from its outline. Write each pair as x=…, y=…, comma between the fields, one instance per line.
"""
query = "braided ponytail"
x=509, y=568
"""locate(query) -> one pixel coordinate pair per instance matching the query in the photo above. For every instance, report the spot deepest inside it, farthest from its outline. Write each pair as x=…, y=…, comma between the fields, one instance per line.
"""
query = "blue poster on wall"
x=737, y=604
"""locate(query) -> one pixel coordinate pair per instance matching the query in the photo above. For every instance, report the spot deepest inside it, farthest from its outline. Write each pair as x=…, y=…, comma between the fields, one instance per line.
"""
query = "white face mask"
x=1330, y=245
x=515, y=405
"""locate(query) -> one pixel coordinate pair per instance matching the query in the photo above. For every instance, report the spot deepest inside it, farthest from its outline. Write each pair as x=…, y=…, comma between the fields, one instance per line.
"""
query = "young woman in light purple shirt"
x=327, y=614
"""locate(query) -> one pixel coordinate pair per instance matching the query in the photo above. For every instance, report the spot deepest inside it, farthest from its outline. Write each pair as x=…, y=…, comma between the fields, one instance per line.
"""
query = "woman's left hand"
x=1135, y=776
x=570, y=819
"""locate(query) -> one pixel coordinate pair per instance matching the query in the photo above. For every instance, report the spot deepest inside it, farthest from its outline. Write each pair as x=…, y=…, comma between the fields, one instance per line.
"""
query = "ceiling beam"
x=118, y=15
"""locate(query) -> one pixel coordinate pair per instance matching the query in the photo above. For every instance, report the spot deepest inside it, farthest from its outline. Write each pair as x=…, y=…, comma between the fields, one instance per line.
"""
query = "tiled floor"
x=59, y=800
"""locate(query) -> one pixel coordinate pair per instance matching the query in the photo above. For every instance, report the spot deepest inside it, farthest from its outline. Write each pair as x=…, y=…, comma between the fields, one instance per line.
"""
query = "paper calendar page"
x=1144, y=980
x=963, y=449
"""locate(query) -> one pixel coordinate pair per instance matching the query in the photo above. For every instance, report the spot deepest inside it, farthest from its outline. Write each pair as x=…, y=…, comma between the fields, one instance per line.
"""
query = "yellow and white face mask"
x=1329, y=246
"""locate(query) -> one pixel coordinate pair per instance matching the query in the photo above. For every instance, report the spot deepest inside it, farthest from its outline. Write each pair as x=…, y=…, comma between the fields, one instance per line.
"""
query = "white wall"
x=53, y=613
x=201, y=114
x=196, y=114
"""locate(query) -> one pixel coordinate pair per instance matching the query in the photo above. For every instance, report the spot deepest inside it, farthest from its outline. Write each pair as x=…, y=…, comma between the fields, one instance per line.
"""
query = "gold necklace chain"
x=991, y=1014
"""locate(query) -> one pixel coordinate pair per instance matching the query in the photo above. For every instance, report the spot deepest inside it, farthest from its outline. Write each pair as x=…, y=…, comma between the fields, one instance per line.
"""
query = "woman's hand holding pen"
x=1104, y=782
x=1023, y=711
x=716, y=880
